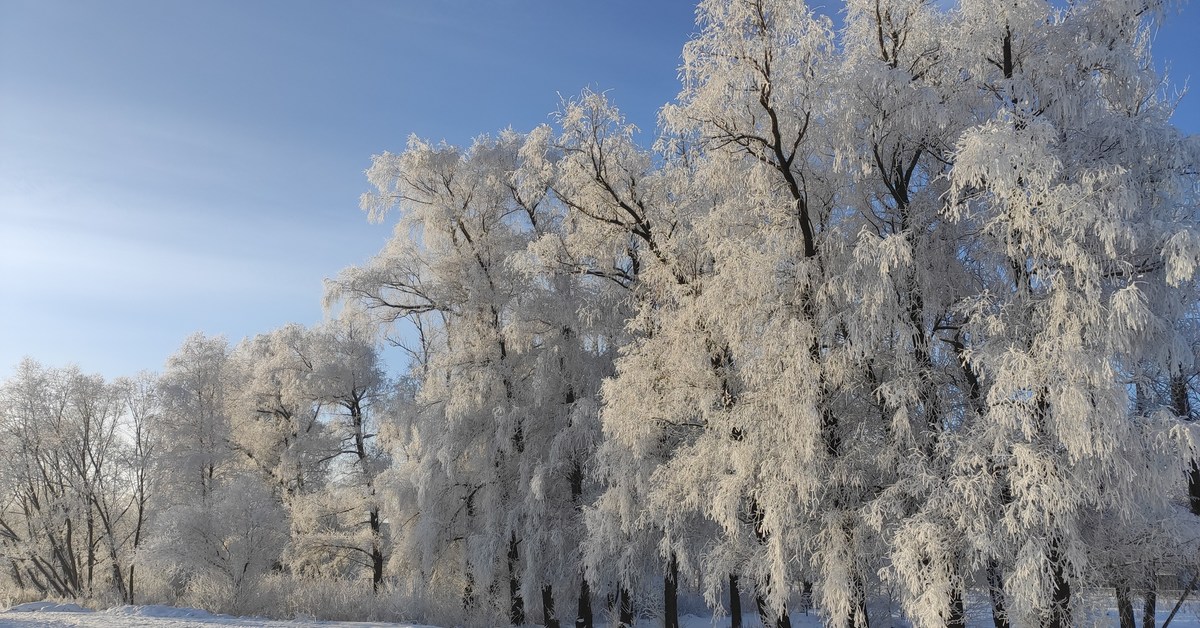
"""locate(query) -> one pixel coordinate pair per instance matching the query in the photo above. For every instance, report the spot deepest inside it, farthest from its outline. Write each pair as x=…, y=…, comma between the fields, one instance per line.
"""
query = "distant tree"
x=194, y=469
x=275, y=414
x=66, y=504
x=219, y=548
x=195, y=389
x=343, y=524
x=145, y=438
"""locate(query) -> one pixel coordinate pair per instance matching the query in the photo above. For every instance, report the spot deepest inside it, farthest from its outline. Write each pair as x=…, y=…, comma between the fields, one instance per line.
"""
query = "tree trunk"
x=735, y=603
x=996, y=592
x=549, y=618
x=671, y=594
x=958, y=614
x=376, y=552
x=626, y=611
x=469, y=588
x=130, y=586
x=137, y=538
x=760, y=532
x=1183, y=409
x=16, y=574
x=468, y=596
x=358, y=418
x=1060, y=603
x=516, y=612
x=783, y=620
x=1149, y=604
x=117, y=576
x=583, y=615
x=858, y=615
x=1194, y=488
x=91, y=549
x=1125, y=606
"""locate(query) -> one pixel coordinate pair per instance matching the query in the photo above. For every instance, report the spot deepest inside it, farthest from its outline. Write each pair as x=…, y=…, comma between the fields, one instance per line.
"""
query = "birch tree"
x=1075, y=183
x=497, y=426
x=340, y=529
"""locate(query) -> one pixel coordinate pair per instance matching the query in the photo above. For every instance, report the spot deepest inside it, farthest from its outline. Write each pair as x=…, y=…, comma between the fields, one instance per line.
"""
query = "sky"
x=168, y=167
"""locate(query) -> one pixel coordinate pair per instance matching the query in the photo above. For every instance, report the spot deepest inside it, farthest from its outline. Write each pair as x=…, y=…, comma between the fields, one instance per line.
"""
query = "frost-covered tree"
x=194, y=467
x=195, y=388
x=220, y=547
x=623, y=226
x=67, y=510
x=902, y=105
x=339, y=529
x=501, y=428
x=145, y=438
x=1076, y=188
x=746, y=362
x=838, y=286
x=275, y=415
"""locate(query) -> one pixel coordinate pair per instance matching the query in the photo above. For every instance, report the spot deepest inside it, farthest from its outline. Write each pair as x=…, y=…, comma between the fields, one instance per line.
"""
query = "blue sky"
x=169, y=167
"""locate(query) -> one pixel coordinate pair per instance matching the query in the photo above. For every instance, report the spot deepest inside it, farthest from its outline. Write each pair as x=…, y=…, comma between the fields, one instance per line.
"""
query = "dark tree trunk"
x=958, y=614
x=1179, y=398
x=16, y=574
x=1125, y=606
x=1149, y=605
x=469, y=588
x=119, y=578
x=468, y=597
x=1194, y=488
x=358, y=418
x=129, y=588
x=760, y=532
x=626, y=610
x=91, y=549
x=735, y=603
x=1183, y=409
x=671, y=594
x=1060, y=603
x=996, y=592
x=583, y=615
x=549, y=618
x=516, y=613
x=806, y=596
x=782, y=620
x=859, y=612
x=376, y=551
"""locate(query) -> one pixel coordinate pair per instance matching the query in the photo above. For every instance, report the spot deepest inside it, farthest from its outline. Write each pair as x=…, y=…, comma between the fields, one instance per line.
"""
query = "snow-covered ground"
x=56, y=615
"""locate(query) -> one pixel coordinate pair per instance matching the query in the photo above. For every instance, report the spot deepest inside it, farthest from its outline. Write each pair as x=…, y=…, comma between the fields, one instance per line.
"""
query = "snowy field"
x=55, y=615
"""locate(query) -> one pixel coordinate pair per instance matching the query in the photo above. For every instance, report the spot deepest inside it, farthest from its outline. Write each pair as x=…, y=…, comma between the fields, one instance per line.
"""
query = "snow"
x=47, y=606
x=158, y=610
x=49, y=614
